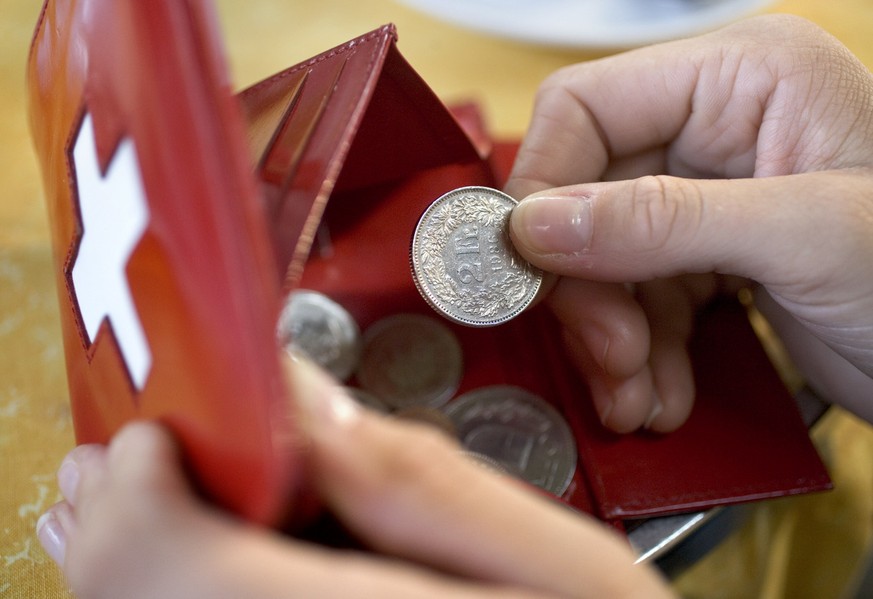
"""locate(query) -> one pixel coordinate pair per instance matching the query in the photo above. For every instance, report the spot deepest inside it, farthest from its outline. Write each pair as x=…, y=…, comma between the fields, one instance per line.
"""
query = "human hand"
x=438, y=524
x=760, y=140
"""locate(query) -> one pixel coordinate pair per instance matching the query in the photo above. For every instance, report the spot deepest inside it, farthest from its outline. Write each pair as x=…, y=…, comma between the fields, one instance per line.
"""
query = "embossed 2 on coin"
x=463, y=261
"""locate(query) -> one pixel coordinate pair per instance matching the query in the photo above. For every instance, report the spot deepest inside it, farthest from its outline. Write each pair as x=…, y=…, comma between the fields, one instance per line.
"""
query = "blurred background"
x=800, y=547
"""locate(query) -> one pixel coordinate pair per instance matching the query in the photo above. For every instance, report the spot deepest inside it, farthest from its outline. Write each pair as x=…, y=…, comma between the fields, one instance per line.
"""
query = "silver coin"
x=464, y=263
x=519, y=430
x=410, y=360
x=321, y=329
x=489, y=463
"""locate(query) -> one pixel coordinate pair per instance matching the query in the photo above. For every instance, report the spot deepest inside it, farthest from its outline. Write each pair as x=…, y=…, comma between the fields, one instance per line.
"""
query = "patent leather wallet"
x=182, y=213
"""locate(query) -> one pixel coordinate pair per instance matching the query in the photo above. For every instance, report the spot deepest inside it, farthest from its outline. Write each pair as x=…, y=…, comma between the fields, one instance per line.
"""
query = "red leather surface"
x=744, y=441
x=201, y=277
x=344, y=153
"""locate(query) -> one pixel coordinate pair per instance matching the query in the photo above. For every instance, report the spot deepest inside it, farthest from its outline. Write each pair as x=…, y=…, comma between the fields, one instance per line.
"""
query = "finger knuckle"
x=777, y=29
x=664, y=212
x=561, y=94
x=557, y=81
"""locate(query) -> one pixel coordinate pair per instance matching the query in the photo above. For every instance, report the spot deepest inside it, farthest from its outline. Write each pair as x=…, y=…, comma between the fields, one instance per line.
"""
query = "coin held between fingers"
x=463, y=261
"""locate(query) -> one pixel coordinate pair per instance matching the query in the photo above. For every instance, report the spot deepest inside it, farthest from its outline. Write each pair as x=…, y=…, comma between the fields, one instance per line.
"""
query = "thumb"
x=780, y=231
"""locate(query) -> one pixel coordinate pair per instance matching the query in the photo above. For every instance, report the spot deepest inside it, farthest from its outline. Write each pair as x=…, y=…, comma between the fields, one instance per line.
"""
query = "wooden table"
x=800, y=547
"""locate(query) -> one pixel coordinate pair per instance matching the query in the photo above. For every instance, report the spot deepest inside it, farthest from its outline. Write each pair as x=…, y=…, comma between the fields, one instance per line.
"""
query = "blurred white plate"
x=589, y=23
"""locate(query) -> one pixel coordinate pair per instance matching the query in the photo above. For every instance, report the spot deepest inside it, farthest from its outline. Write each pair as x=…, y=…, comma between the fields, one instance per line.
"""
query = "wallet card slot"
x=305, y=111
x=264, y=119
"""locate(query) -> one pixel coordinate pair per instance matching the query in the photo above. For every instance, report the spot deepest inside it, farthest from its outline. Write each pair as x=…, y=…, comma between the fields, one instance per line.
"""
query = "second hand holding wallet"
x=182, y=214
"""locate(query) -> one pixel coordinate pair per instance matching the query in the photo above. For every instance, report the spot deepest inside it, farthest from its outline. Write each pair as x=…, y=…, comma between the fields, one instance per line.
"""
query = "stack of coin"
x=403, y=361
x=411, y=365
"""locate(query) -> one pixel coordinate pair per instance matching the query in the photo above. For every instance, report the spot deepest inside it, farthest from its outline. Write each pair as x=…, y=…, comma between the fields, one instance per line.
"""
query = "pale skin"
x=747, y=153
x=760, y=138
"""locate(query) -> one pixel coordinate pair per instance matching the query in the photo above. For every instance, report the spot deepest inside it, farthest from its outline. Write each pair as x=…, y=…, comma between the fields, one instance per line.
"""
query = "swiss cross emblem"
x=114, y=214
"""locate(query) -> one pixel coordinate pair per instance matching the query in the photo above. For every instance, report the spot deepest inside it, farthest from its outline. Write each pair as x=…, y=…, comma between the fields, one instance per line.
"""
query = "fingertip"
x=544, y=226
x=144, y=454
x=51, y=536
x=142, y=437
x=602, y=322
x=52, y=530
x=80, y=459
x=622, y=404
x=631, y=403
x=656, y=410
x=674, y=387
x=674, y=413
x=68, y=478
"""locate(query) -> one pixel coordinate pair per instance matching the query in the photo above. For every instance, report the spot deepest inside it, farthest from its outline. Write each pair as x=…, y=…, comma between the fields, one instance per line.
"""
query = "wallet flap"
x=354, y=116
x=167, y=292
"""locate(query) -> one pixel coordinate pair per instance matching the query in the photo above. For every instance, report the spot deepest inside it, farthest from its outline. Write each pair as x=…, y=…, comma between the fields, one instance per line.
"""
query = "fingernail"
x=597, y=341
x=68, y=478
x=606, y=411
x=604, y=400
x=553, y=225
x=657, y=408
x=52, y=537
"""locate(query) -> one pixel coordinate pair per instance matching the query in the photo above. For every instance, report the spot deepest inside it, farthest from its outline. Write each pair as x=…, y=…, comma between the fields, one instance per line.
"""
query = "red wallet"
x=181, y=214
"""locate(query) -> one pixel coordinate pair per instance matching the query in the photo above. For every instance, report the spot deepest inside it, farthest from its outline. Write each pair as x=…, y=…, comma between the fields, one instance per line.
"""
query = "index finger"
x=697, y=104
x=588, y=114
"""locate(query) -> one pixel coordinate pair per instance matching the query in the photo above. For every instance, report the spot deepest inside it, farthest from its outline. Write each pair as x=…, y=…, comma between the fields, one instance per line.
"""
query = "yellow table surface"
x=803, y=547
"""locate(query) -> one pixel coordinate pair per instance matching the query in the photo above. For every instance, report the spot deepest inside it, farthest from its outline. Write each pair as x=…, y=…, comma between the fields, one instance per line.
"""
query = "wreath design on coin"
x=488, y=302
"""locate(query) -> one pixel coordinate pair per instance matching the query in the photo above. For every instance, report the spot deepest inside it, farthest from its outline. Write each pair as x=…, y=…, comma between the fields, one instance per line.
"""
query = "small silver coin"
x=520, y=431
x=321, y=329
x=410, y=360
x=464, y=263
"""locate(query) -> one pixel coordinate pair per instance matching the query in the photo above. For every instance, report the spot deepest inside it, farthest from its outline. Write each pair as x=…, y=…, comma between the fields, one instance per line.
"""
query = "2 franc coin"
x=463, y=261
